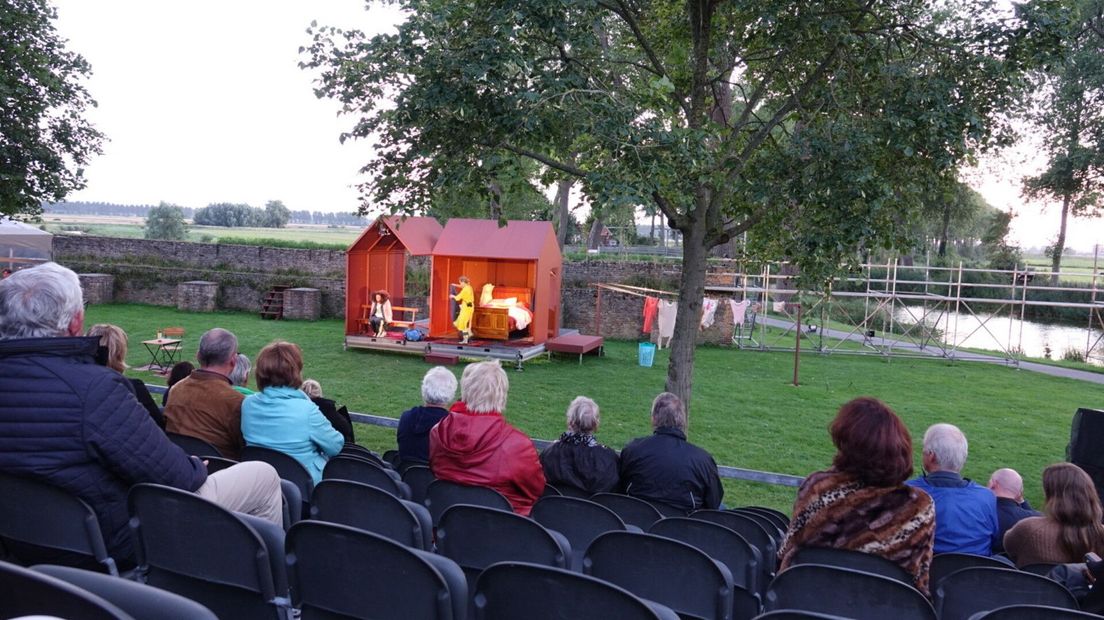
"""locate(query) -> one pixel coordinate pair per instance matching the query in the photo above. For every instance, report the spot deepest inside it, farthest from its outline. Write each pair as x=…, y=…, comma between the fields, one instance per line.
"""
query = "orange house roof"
x=417, y=234
x=517, y=240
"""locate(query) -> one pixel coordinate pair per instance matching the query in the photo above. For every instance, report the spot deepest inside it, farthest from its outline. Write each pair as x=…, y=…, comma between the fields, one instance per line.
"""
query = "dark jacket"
x=413, y=433
x=579, y=461
x=339, y=418
x=668, y=469
x=1010, y=513
x=142, y=395
x=67, y=421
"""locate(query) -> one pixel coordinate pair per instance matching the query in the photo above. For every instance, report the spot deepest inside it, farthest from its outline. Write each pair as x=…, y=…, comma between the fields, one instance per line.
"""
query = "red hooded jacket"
x=482, y=449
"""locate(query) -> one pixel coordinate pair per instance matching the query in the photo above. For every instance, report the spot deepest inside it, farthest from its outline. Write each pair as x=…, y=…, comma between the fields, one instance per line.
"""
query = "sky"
x=204, y=102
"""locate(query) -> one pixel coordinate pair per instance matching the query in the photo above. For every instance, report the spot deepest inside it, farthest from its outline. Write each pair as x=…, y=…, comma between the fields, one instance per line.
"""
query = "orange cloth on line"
x=651, y=308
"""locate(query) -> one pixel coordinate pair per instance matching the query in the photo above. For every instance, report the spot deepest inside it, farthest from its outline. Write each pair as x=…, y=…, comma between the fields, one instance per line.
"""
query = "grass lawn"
x=744, y=409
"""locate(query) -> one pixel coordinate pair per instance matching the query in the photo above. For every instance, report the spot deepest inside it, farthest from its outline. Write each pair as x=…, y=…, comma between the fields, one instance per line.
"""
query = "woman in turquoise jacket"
x=281, y=417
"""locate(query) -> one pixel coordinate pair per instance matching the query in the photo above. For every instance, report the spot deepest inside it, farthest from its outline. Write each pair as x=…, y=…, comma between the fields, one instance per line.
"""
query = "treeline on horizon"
x=301, y=216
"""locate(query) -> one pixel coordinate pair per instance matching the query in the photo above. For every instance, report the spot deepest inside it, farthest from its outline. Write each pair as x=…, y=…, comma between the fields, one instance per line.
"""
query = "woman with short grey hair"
x=239, y=376
x=577, y=462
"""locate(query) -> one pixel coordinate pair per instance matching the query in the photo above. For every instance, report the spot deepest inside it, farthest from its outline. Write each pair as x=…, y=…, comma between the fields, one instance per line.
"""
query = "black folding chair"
x=217, y=463
x=579, y=520
x=342, y=572
x=521, y=590
x=365, y=471
x=441, y=494
x=199, y=550
x=1032, y=612
x=944, y=564
x=193, y=445
x=856, y=560
x=720, y=543
x=846, y=592
x=372, y=509
x=780, y=518
x=550, y=490
x=288, y=468
x=418, y=478
x=37, y=513
x=752, y=531
x=476, y=537
x=632, y=511
x=769, y=524
x=968, y=591
x=137, y=599
x=793, y=614
x=24, y=592
x=667, y=571
x=353, y=449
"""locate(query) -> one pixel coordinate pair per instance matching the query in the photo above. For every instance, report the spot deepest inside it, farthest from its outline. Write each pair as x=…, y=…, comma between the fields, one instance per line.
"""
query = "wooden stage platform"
x=516, y=351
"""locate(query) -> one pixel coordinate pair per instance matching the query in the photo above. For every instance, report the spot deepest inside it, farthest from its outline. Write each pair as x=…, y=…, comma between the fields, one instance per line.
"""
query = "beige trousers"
x=251, y=487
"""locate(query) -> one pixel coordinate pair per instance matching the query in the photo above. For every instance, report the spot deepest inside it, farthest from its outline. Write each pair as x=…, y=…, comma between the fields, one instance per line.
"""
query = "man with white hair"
x=438, y=392
x=205, y=404
x=965, y=512
x=1007, y=485
x=77, y=425
x=475, y=445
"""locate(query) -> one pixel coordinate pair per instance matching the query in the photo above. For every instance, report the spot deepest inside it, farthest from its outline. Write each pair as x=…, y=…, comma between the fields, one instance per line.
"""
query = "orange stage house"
x=523, y=263
x=377, y=261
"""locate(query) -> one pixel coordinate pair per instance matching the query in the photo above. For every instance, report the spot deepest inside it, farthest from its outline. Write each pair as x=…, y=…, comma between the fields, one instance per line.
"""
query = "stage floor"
x=517, y=351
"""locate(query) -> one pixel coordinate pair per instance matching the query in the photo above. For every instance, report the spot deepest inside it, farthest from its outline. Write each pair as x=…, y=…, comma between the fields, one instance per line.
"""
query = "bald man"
x=1007, y=485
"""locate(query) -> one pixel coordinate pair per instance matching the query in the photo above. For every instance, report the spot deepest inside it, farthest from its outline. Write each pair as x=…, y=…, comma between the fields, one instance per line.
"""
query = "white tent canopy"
x=23, y=244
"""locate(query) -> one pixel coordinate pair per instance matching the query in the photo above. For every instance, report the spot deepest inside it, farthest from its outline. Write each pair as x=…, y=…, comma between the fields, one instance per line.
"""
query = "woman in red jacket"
x=475, y=445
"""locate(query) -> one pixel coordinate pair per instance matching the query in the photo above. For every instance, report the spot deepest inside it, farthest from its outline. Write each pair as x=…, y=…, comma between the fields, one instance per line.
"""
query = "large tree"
x=44, y=138
x=812, y=126
x=166, y=221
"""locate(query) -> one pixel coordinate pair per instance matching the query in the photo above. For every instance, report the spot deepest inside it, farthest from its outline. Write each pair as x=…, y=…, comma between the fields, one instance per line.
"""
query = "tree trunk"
x=1060, y=244
x=652, y=233
x=595, y=237
x=496, y=201
x=945, y=230
x=563, y=214
x=680, y=368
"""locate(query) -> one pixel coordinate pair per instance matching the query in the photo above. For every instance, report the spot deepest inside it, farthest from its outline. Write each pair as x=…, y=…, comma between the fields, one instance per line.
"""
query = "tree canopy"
x=166, y=221
x=44, y=138
x=814, y=127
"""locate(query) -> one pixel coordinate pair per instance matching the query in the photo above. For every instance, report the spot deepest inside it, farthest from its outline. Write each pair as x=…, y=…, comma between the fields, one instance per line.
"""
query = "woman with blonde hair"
x=1070, y=526
x=112, y=353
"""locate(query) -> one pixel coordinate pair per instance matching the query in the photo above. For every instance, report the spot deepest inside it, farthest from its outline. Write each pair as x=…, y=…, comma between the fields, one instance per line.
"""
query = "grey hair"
x=483, y=387
x=1009, y=480
x=948, y=445
x=240, y=374
x=217, y=346
x=582, y=415
x=438, y=386
x=312, y=388
x=39, y=302
x=668, y=410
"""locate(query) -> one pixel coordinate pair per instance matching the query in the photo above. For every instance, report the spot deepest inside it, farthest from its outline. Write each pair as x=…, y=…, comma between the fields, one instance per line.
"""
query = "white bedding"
x=521, y=316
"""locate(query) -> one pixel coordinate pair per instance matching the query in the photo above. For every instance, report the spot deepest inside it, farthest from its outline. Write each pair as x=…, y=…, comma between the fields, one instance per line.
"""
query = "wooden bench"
x=396, y=311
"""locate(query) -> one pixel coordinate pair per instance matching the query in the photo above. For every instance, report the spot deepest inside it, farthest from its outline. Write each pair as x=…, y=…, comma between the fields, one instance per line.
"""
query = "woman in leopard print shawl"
x=862, y=503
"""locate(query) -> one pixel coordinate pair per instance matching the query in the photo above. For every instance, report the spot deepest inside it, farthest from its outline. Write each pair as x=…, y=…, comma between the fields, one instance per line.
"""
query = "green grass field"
x=744, y=409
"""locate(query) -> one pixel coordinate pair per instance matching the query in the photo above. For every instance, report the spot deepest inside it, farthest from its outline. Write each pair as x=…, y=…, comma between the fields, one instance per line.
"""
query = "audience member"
x=576, y=459
x=282, y=417
x=1012, y=508
x=965, y=512
x=338, y=416
x=438, y=392
x=666, y=468
x=205, y=405
x=5, y=273
x=862, y=503
x=179, y=371
x=239, y=377
x=1070, y=526
x=75, y=424
x=475, y=444
x=112, y=353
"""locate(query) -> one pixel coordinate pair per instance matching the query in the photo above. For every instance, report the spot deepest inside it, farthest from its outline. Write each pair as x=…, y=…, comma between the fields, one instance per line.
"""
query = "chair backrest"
x=569, y=491
x=965, y=592
x=193, y=445
x=418, y=478
x=441, y=494
x=1033, y=612
x=476, y=537
x=720, y=543
x=846, y=592
x=944, y=564
x=361, y=470
x=199, y=550
x=137, y=599
x=24, y=592
x=287, y=467
x=521, y=590
x=173, y=332
x=857, y=560
x=217, y=463
x=752, y=531
x=769, y=524
x=794, y=614
x=338, y=571
x=353, y=449
x=579, y=520
x=667, y=571
x=550, y=490
x=373, y=509
x=632, y=511
x=38, y=513
x=779, y=517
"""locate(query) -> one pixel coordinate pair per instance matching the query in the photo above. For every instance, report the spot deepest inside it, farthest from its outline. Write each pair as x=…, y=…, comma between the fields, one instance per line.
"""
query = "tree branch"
x=668, y=210
x=546, y=160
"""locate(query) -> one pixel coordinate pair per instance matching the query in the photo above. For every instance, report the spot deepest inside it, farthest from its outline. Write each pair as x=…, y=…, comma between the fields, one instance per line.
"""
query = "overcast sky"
x=203, y=102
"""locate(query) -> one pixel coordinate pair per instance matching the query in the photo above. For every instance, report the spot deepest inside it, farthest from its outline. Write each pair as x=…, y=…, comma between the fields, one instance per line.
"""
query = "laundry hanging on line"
x=651, y=306
x=709, y=310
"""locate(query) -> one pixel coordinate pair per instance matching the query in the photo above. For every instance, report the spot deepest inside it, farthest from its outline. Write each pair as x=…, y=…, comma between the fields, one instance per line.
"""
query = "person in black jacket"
x=113, y=345
x=576, y=459
x=666, y=468
x=338, y=416
x=1012, y=508
x=438, y=392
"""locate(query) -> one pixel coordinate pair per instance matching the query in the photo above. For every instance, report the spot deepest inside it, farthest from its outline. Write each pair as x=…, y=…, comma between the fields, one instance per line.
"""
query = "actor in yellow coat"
x=466, y=299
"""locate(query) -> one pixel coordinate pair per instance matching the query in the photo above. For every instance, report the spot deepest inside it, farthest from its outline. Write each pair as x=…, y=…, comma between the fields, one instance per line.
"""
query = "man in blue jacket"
x=75, y=424
x=965, y=511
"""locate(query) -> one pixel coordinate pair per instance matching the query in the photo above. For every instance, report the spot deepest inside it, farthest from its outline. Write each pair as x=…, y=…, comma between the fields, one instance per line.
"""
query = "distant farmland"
x=112, y=226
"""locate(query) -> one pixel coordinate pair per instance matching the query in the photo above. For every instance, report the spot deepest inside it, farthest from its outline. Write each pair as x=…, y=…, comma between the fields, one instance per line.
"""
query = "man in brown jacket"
x=205, y=405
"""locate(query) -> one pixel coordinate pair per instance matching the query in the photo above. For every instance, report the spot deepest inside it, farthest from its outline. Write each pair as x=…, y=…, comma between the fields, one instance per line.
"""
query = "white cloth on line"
x=709, y=309
x=739, y=310
x=666, y=321
x=780, y=307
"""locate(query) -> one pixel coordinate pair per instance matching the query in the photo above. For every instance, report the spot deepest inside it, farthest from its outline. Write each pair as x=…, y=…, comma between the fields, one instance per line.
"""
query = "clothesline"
x=663, y=312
